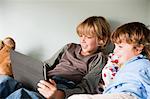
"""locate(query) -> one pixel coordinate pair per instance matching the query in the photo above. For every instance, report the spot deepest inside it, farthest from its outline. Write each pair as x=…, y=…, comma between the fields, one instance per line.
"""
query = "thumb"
x=52, y=82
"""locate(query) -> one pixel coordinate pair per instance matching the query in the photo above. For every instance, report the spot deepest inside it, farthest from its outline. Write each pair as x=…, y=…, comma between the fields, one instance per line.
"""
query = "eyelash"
x=86, y=36
x=120, y=46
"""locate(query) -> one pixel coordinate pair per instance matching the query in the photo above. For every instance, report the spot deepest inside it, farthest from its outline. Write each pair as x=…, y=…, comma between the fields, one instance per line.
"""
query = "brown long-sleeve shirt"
x=85, y=70
x=72, y=65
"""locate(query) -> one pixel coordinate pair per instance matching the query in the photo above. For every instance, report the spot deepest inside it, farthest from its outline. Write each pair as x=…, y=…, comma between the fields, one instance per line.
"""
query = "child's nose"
x=115, y=50
x=83, y=38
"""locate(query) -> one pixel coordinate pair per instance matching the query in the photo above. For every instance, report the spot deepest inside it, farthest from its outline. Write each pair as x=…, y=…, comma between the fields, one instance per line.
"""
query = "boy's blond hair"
x=135, y=33
x=95, y=26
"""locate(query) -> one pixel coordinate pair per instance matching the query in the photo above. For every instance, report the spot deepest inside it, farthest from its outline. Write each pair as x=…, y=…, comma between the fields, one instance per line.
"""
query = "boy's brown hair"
x=95, y=26
x=135, y=33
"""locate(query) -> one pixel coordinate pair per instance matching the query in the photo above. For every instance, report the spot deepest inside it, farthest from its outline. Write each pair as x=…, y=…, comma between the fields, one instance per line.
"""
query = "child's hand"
x=47, y=89
x=110, y=69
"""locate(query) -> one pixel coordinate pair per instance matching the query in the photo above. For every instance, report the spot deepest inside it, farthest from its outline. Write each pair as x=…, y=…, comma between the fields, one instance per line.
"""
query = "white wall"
x=41, y=27
x=149, y=11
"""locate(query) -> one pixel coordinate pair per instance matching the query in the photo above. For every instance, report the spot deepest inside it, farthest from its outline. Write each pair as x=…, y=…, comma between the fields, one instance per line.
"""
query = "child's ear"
x=139, y=48
x=100, y=43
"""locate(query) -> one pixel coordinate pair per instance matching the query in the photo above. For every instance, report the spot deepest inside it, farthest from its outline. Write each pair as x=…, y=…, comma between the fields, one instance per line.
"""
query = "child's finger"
x=52, y=82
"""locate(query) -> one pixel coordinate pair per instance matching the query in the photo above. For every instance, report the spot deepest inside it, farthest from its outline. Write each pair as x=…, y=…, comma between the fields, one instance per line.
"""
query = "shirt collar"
x=140, y=56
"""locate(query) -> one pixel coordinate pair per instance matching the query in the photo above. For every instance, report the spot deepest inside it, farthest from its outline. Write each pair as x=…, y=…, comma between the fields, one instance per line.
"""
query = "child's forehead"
x=121, y=43
x=88, y=34
x=121, y=39
x=124, y=45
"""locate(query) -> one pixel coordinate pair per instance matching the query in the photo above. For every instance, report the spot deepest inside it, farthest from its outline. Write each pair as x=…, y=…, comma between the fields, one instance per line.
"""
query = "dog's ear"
x=1, y=44
x=4, y=52
x=5, y=62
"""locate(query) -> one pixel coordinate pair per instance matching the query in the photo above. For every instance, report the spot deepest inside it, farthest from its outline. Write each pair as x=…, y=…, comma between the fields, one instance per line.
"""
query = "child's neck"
x=84, y=54
x=87, y=53
x=120, y=65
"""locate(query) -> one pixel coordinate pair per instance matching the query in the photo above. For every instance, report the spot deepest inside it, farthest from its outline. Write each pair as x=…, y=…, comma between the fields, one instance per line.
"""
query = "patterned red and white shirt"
x=110, y=69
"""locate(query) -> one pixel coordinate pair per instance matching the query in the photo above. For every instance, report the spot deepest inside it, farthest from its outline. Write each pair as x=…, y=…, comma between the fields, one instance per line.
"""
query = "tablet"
x=26, y=69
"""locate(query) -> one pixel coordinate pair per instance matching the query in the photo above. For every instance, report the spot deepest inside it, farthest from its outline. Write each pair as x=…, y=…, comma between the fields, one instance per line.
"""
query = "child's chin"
x=120, y=62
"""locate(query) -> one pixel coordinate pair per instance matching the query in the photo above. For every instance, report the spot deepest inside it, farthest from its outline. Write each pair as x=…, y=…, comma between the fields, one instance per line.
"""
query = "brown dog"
x=5, y=62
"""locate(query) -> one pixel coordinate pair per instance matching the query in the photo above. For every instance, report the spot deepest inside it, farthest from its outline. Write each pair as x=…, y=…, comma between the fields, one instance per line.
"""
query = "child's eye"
x=89, y=37
x=80, y=35
x=120, y=46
